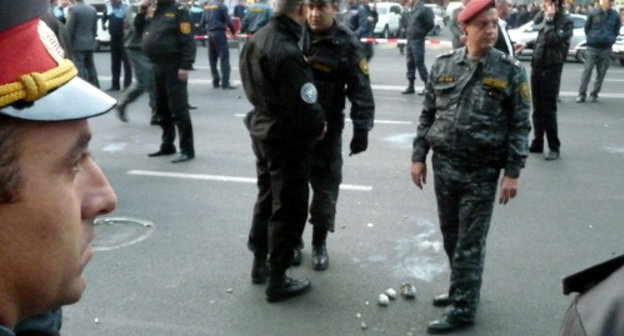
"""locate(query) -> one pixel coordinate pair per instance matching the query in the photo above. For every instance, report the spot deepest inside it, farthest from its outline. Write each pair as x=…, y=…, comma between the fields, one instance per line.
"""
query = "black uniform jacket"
x=279, y=84
x=340, y=70
x=169, y=37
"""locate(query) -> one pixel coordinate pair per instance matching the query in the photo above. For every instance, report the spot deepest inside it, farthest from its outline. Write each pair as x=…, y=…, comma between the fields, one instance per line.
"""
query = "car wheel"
x=621, y=61
x=386, y=33
x=581, y=55
x=97, y=46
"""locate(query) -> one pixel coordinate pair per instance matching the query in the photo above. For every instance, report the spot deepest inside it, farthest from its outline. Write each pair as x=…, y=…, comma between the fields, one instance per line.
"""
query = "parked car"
x=529, y=31
x=449, y=11
x=389, y=19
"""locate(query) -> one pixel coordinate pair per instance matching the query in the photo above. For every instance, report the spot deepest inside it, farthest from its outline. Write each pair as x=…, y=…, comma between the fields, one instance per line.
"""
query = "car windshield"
x=382, y=10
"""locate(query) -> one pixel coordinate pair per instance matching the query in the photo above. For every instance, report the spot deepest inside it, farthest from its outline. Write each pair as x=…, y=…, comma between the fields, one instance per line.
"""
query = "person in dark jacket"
x=168, y=42
x=82, y=29
x=550, y=50
x=113, y=20
x=257, y=16
x=419, y=24
x=601, y=29
x=287, y=120
x=363, y=25
x=215, y=19
x=143, y=68
x=340, y=70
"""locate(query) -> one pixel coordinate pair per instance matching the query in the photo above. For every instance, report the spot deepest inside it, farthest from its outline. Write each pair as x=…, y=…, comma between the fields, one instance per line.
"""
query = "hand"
x=183, y=75
x=419, y=174
x=359, y=142
x=518, y=47
x=509, y=189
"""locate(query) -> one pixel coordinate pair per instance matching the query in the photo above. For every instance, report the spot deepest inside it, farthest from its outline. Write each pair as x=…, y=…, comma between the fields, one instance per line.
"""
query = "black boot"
x=259, y=269
x=282, y=287
x=320, y=258
x=410, y=88
x=121, y=112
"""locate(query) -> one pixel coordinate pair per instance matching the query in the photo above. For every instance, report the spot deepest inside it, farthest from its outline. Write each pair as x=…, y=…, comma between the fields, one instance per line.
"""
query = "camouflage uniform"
x=475, y=117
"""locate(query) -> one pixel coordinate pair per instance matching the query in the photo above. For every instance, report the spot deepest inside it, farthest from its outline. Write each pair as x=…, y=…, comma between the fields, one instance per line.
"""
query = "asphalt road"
x=188, y=273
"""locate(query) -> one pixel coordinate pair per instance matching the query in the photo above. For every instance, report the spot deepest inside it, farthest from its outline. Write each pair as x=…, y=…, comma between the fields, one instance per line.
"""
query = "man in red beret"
x=475, y=118
x=51, y=189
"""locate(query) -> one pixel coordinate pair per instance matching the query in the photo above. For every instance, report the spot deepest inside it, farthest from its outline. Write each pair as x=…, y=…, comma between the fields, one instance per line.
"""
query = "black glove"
x=359, y=142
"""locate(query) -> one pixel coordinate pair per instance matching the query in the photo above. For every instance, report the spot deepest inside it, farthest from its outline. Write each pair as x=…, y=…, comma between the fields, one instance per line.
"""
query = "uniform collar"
x=292, y=27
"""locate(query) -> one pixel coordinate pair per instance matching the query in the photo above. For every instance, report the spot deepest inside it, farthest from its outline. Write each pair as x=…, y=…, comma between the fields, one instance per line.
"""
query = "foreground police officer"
x=475, y=117
x=340, y=69
x=285, y=123
x=214, y=20
x=168, y=42
x=51, y=191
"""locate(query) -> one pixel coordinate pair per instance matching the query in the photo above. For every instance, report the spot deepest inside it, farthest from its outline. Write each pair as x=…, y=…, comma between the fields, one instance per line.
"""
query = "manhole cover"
x=115, y=232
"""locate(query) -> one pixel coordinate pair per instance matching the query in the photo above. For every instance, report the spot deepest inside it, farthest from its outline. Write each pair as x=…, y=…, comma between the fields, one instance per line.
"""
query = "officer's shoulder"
x=508, y=59
x=447, y=54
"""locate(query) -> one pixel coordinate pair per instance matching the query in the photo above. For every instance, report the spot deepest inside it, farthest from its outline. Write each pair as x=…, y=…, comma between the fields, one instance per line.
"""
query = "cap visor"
x=77, y=99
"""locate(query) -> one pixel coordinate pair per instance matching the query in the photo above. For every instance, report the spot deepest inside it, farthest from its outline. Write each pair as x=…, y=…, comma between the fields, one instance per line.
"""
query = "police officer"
x=362, y=24
x=256, y=17
x=340, y=69
x=168, y=42
x=475, y=117
x=214, y=19
x=419, y=24
x=285, y=123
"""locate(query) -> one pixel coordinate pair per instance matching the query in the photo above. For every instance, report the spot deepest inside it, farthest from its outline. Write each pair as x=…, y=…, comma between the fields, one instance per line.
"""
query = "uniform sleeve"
x=227, y=19
x=186, y=41
x=519, y=124
x=359, y=90
x=428, y=18
x=420, y=146
x=300, y=96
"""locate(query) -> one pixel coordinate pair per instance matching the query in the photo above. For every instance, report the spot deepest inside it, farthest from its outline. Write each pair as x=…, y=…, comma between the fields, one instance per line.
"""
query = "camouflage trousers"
x=465, y=198
x=325, y=178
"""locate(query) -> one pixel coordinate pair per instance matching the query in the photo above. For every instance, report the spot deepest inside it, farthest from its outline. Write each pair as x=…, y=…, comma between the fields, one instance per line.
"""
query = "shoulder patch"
x=446, y=54
x=185, y=28
x=363, y=64
x=525, y=94
x=309, y=94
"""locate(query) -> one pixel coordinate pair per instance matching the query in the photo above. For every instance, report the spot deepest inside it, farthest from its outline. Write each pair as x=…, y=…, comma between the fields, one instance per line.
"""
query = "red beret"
x=473, y=8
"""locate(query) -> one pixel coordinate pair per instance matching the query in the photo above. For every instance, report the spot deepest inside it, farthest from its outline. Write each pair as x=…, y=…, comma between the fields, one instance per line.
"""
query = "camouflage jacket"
x=478, y=116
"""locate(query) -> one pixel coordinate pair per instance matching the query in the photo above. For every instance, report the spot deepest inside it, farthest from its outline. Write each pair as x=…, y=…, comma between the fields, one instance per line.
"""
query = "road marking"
x=236, y=179
x=400, y=88
x=388, y=122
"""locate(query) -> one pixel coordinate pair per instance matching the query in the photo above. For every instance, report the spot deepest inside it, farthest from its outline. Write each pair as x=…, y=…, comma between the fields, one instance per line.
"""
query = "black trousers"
x=544, y=90
x=172, y=107
x=119, y=57
x=281, y=208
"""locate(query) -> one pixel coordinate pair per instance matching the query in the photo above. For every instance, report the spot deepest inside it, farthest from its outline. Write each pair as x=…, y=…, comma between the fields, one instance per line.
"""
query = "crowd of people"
x=297, y=70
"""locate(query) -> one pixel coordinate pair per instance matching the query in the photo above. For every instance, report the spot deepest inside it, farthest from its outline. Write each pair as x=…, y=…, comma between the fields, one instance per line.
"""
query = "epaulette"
x=446, y=54
x=511, y=60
